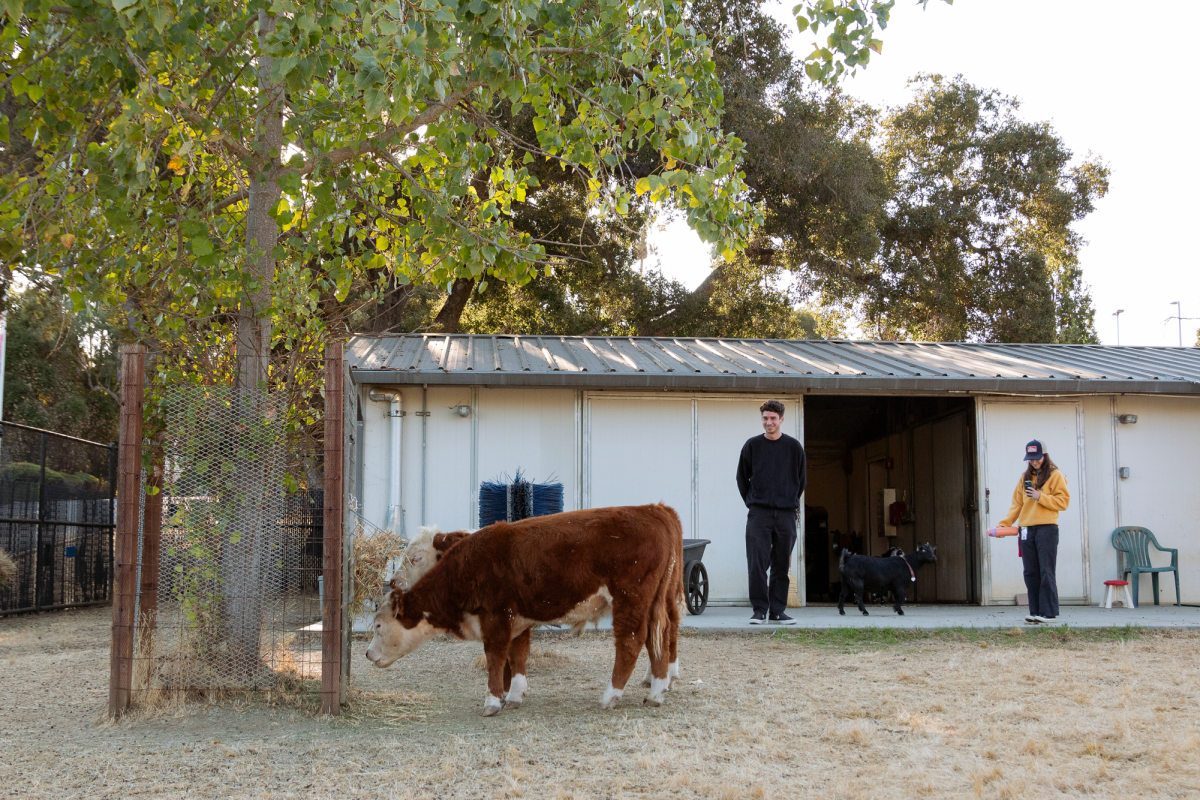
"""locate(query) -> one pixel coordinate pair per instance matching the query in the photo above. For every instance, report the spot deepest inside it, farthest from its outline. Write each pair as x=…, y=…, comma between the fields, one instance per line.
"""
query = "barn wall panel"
x=1162, y=452
x=529, y=429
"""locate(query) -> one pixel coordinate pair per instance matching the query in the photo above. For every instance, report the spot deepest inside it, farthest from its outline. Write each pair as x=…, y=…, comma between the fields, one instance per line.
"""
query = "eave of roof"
x=829, y=366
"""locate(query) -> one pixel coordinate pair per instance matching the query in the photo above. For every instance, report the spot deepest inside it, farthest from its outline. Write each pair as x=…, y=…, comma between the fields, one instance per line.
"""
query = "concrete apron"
x=725, y=618
x=938, y=616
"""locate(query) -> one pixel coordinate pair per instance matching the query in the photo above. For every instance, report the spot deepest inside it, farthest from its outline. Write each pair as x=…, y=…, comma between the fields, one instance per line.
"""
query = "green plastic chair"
x=1135, y=543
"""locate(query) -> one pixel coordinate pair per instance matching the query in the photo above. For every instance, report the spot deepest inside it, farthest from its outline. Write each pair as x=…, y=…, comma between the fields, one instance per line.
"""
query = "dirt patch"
x=813, y=716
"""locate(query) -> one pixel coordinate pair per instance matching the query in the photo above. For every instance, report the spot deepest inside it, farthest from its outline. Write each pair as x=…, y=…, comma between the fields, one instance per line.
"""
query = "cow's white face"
x=392, y=641
x=418, y=559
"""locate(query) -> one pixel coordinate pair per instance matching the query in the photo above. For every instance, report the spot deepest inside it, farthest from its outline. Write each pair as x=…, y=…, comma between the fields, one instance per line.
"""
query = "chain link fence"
x=229, y=560
x=56, y=519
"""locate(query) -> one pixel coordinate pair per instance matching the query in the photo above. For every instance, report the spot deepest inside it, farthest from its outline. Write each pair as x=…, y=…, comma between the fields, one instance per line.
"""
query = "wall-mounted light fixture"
x=463, y=410
x=1127, y=419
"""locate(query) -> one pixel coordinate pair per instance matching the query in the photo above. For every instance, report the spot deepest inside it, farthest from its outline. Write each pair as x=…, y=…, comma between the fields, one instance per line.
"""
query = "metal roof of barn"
x=837, y=366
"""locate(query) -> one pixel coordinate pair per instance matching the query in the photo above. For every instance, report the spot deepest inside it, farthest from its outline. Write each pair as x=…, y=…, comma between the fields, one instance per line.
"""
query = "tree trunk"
x=664, y=325
x=448, y=318
x=244, y=554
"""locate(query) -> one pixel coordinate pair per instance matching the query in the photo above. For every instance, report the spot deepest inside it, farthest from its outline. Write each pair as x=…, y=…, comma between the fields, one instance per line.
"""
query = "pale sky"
x=1109, y=80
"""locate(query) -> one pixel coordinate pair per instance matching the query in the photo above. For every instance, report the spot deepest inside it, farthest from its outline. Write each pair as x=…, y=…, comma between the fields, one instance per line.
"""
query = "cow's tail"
x=669, y=589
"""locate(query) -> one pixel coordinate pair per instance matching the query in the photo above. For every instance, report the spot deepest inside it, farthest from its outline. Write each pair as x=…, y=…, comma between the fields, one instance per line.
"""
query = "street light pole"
x=1179, y=319
x=1118, y=314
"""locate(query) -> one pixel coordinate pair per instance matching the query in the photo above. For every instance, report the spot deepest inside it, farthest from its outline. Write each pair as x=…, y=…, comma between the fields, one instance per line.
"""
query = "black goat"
x=863, y=574
x=878, y=597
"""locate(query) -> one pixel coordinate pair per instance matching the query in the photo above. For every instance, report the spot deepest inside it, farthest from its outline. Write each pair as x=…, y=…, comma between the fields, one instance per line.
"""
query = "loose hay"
x=538, y=660
x=8, y=569
x=372, y=555
x=820, y=719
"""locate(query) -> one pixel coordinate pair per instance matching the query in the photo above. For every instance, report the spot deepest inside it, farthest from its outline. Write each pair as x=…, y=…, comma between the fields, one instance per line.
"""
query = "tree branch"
x=371, y=145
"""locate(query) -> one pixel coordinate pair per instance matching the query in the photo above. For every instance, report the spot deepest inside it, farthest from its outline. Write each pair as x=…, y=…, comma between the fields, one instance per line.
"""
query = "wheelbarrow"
x=695, y=576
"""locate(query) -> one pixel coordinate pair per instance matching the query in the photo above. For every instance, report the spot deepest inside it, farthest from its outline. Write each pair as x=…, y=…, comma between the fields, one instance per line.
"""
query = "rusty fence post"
x=331, y=612
x=129, y=472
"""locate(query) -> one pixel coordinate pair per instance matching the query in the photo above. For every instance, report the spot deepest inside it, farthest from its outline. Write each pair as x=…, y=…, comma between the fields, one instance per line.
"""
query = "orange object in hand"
x=1001, y=532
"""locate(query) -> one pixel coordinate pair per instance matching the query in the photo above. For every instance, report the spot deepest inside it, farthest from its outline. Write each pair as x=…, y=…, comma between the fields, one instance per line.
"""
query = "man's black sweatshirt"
x=772, y=474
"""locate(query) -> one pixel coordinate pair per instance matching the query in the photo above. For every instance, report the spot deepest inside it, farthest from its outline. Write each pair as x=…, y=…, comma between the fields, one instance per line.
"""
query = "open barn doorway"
x=891, y=472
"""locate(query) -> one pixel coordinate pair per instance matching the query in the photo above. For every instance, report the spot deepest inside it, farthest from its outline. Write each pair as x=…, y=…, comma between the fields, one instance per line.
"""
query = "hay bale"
x=371, y=555
x=8, y=569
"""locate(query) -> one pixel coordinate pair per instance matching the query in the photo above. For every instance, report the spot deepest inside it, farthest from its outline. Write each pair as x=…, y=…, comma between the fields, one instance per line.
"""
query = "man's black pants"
x=770, y=537
x=1039, y=553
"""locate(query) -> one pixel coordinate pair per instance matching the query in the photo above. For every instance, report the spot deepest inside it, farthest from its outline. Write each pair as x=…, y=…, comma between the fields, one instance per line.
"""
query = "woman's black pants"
x=1039, y=552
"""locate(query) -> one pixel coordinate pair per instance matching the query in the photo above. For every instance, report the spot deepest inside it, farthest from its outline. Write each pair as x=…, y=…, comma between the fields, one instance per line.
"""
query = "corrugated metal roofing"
x=827, y=365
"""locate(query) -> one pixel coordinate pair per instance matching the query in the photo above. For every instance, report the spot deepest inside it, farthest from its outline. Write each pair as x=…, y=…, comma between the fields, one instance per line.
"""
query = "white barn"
x=938, y=427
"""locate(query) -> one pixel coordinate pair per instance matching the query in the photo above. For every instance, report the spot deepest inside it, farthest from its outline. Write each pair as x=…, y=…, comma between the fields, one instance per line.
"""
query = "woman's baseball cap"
x=1034, y=451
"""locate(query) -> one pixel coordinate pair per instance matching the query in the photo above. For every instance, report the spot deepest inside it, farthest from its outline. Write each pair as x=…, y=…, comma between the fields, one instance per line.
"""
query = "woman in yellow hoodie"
x=1040, y=495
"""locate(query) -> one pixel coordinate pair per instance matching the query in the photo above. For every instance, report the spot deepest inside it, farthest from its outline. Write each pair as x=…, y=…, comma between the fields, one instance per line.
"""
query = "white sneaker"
x=1050, y=620
x=1031, y=619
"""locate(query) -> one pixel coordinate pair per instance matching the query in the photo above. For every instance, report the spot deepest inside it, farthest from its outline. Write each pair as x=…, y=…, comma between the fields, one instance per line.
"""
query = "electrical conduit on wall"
x=395, y=514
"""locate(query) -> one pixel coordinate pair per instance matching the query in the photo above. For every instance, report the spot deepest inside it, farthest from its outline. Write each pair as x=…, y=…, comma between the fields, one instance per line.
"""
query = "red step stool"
x=1123, y=595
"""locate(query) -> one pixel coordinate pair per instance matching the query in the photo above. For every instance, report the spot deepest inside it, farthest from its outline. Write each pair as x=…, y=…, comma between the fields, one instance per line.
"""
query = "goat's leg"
x=901, y=596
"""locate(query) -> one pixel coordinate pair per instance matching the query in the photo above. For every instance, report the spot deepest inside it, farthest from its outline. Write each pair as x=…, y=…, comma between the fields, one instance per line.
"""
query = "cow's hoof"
x=650, y=701
x=842, y=611
x=866, y=613
x=512, y=705
x=646, y=683
x=491, y=711
x=900, y=611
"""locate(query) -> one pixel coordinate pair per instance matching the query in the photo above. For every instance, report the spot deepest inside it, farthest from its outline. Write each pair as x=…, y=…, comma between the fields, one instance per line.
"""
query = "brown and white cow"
x=497, y=584
x=425, y=550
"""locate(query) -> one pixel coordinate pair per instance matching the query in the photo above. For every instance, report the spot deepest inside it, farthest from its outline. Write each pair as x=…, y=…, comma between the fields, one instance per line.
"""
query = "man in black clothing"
x=771, y=476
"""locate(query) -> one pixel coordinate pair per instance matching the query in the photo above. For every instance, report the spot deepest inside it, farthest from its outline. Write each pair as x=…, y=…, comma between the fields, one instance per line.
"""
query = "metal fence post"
x=112, y=515
x=38, y=566
x=331, y=612
x=133, y=374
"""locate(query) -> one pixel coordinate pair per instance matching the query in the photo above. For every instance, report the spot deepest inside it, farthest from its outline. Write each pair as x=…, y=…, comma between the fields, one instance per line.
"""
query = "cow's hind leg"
x=495, y=648
x=518, y=658
x=629, y=638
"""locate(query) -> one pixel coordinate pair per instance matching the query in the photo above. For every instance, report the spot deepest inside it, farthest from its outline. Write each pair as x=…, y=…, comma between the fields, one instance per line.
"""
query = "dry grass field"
x=1005, y=714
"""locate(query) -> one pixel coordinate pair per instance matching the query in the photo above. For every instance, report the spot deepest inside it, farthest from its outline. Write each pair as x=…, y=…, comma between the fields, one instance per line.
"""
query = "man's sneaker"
x=782, y=619
x=1031, y=619
x=758, y=619
x=1040, y=618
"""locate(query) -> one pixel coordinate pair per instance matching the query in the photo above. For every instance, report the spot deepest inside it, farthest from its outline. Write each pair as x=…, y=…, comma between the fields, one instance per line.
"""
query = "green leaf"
x=375, y=98
x=201, y=247
x=4, y=129
x=160, y=17
x=13, y=9
x=121, y=5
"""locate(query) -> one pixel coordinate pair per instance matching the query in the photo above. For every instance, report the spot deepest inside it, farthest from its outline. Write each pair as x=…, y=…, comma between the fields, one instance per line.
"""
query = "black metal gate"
x=56, y=519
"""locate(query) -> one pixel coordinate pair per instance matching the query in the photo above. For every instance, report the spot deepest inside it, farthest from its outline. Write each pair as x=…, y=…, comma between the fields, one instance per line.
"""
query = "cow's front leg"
x=495, y=648
x=518, y=658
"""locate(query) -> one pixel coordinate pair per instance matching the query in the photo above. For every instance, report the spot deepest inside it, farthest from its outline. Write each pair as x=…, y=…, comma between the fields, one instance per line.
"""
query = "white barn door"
x=722, y=427
x=1007, y=427
x=639, y=450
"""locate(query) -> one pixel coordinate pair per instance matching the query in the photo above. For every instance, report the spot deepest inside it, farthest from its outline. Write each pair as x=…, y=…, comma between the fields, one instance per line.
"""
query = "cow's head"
x=418, y=558
x=393, y=638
